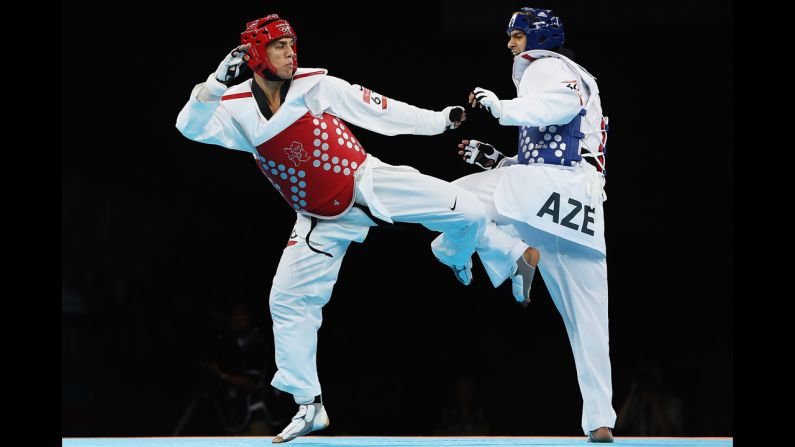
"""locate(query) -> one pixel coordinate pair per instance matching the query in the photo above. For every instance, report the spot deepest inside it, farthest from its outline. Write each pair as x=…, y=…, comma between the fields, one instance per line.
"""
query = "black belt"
x=366, y=210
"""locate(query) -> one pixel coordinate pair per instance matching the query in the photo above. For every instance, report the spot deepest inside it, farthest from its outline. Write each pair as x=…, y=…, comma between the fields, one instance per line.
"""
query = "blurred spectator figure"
x=465, y=415
x=650, y=410
x=237, y=361
x=237, y=358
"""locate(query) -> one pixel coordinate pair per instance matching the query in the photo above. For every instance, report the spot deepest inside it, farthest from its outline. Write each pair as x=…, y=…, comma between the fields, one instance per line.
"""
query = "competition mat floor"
x=366, y=441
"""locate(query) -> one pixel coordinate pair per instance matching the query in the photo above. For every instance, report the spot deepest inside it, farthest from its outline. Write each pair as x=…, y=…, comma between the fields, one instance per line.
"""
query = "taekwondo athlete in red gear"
x=550, y=195
x=293, y=122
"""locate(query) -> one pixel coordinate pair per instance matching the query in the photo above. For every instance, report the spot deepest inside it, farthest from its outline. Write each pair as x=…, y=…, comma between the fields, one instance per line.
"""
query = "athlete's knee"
x=471, y=209
x=461, y=182
x=281, y=303
x=288, y=287
x=468, y=182
x=296, y=297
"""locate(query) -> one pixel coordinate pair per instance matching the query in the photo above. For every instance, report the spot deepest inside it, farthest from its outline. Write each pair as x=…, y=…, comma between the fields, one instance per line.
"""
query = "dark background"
x=159, y=232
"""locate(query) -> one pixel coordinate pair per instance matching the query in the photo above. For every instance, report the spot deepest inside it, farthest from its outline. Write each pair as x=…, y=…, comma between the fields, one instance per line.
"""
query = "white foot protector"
x=310, y=417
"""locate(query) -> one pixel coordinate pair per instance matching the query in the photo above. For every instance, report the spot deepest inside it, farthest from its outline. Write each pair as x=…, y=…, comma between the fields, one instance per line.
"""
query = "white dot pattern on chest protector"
x=550, y=143
x=344, y=139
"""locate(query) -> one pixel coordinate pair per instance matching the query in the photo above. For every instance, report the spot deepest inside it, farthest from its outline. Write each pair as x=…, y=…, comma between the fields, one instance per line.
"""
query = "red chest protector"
x=311, y=163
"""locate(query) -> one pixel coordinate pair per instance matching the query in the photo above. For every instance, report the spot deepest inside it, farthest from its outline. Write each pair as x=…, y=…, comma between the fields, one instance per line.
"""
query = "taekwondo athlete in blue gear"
x=550, y=195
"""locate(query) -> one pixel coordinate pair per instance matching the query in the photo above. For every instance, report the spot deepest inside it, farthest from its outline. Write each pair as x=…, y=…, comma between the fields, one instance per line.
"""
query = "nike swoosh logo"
x=454, y=203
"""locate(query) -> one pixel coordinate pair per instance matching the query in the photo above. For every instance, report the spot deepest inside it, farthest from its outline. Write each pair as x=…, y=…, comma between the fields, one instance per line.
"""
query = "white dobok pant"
x=576, y=277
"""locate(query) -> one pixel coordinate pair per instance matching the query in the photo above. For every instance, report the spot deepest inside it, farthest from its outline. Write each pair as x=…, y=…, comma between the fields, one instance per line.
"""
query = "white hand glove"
x=232, y=66
x=487, y=99
x=479, y=153
x=454, y=116
x=228, y=70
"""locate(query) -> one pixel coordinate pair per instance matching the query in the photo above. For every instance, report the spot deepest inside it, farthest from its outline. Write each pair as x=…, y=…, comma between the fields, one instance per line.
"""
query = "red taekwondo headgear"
x=259, y=33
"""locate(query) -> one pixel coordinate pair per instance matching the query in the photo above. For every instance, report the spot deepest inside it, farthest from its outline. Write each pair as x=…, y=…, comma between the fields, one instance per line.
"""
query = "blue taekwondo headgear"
x=544, y=30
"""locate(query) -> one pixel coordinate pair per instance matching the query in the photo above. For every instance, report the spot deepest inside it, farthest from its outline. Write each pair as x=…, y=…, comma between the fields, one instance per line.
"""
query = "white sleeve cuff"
x=502, y=119
x=508, y=161
x=212, y=90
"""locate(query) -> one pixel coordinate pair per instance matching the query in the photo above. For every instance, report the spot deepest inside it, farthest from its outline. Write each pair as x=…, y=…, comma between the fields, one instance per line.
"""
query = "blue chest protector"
x=557, y=145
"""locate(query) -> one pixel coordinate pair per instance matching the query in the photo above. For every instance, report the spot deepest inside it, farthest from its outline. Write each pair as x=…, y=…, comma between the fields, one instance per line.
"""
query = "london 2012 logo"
x=296, y=153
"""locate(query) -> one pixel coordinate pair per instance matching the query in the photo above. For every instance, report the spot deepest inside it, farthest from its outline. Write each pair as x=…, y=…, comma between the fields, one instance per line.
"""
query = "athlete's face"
x=281, y=55
x=517, y=42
